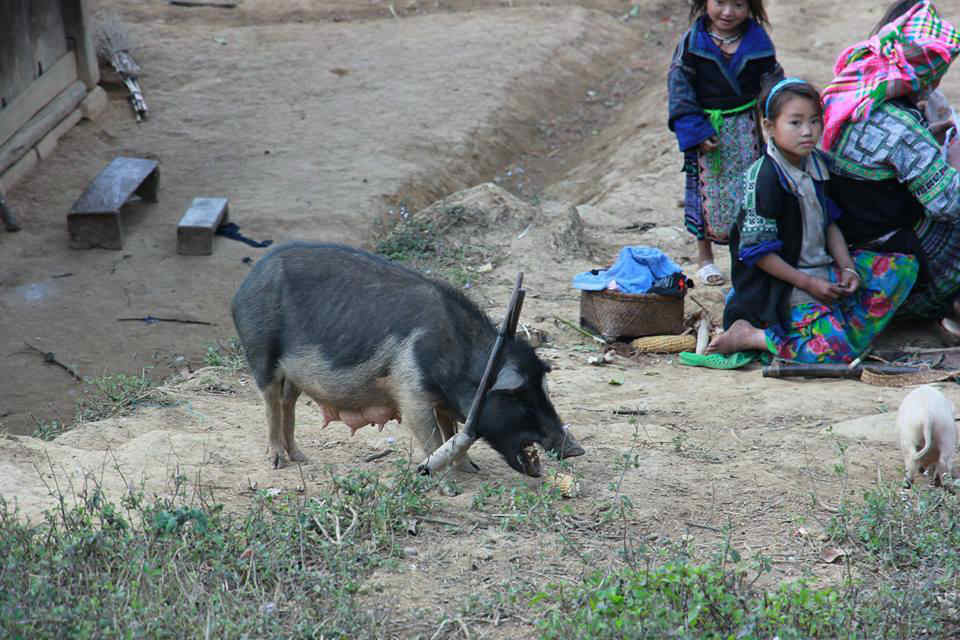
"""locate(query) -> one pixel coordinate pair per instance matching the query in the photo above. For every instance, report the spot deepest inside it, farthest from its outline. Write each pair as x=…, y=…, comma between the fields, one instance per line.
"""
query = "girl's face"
x=797, y=129
x=726, y=16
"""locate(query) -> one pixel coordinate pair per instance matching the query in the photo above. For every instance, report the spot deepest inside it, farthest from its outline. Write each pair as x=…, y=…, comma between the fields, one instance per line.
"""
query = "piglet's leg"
x=290, y=394
x=942, y=472
x=909, y=467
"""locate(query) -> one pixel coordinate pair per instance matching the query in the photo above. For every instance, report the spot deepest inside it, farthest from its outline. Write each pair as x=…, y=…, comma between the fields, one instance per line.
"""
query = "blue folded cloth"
x=635, y=271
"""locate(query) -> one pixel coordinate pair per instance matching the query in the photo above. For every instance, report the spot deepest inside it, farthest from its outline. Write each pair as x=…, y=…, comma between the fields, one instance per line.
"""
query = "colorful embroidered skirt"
x=941, y=246
x=714, y=183
x=842, y=331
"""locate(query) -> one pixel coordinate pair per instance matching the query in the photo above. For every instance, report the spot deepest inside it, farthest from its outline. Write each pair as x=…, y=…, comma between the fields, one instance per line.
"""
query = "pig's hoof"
x=277, y=460
x=297, y=456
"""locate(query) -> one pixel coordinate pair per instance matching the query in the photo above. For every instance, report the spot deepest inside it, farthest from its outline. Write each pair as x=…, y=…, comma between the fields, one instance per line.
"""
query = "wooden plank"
x=95, y=231
x=48, y=144
x=37, y=95
x=41, y=124
x=114, y=185
x=199, y=224
x=94, y=220
x=16, y=50
x=20, y=169
x=47, y=35
x=80, y=29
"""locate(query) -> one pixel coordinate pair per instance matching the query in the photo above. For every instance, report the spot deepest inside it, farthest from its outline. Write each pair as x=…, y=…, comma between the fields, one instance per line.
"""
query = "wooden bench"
x=94, y=220
x=199, y=224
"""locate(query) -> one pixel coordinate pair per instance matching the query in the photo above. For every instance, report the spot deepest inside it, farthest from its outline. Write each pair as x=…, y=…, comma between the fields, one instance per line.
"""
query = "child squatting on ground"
x=713, y=83
x=798, y=292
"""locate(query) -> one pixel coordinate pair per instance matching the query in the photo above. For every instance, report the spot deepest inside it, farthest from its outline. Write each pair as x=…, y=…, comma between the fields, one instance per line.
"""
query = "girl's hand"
x=939, y=130
x=849, y=280
x=824, y=290
x=710, y=144
x=953, y=153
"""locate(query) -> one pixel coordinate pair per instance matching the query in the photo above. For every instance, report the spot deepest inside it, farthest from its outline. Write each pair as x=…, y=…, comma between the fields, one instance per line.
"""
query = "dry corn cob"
x=665, y=344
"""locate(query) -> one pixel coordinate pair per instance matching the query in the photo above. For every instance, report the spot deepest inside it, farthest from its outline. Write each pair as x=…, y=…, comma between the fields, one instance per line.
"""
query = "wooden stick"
x=378, y=455
x=451, y=450
x=193, y=3
x=930, y=350
x=50, y=358
x=779, y=369
x=149, y=319
x=580, y=330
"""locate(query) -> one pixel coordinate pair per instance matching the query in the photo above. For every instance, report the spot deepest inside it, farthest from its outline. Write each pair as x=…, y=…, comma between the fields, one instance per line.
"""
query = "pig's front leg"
x=448, y=427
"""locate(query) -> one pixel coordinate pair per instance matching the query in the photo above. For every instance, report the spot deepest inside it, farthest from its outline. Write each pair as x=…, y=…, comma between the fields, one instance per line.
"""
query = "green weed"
x=229, y=356
x=116, y=394
x=519, y=507
x=48, y=429
x=182, y=566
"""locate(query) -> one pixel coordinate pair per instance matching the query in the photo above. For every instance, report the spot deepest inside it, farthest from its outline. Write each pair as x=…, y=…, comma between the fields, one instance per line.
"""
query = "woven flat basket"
x=625, y=316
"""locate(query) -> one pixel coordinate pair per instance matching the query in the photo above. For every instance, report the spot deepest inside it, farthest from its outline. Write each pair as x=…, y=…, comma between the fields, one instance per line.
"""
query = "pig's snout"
x=566, y=446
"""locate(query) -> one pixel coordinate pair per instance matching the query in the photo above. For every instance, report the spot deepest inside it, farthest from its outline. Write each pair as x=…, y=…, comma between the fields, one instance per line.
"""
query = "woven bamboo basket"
x=624, y=316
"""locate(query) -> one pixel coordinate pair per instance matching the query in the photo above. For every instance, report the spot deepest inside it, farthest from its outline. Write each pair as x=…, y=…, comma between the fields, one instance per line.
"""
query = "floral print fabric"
x=842, y=331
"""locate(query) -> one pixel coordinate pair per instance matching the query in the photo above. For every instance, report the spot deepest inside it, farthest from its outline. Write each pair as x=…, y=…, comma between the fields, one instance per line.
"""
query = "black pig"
x=370, y=340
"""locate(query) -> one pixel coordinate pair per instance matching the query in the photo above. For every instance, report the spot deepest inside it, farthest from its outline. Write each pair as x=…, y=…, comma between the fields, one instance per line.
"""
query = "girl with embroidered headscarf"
x=798, y=291
x=713, y=83
x=898, y=189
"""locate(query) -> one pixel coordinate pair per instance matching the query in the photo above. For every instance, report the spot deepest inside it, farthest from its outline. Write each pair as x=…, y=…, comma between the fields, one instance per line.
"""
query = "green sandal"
x=733, y=360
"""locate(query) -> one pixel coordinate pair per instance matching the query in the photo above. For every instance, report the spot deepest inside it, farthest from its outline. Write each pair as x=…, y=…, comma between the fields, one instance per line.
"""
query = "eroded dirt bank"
x=310, y=129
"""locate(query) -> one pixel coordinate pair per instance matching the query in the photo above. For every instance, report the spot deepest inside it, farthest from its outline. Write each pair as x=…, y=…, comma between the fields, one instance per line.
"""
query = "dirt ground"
x=323, y=121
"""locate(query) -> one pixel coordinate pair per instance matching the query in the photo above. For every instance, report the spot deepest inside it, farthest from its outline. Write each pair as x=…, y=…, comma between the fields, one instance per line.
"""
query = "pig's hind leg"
x=290, y=394
x=273, y=400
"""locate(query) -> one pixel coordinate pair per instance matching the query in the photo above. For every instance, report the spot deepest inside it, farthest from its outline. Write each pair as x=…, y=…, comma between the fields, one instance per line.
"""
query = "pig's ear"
x=509, y=379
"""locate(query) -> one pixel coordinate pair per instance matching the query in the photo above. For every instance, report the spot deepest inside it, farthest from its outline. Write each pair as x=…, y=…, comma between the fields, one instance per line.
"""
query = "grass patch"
x=520, y=507
x=116, y=394
x=431, y=245
x=682, y=600
x=48, y=429
x=229, y=356
x=903, y=581
x=183, y=567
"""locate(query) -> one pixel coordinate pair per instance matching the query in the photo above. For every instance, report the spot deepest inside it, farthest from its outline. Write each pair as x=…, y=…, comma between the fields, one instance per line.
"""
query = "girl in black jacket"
x=798, y=292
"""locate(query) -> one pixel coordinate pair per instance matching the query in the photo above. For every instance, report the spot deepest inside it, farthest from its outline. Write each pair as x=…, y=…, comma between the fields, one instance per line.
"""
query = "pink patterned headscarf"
x=907, y=55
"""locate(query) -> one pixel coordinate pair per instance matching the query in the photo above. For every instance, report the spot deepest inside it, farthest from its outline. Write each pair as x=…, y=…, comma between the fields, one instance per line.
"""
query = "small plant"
x=115, y=394
x=410, y=239
x=48, y=429
x=229, y=356
x=522, y=507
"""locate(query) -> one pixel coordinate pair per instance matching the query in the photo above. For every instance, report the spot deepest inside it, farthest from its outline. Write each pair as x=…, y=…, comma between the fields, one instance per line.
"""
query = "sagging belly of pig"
x=356, y=396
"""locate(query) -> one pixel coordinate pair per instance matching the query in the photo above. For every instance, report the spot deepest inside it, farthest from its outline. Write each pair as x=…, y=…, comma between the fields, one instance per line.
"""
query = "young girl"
x=798, y=293
x=713, y=83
